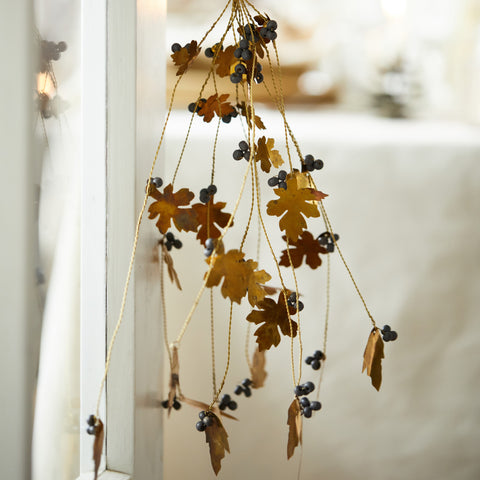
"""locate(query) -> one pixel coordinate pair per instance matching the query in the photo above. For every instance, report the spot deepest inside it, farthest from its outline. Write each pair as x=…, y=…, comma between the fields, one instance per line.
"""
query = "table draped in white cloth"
x=404, y=196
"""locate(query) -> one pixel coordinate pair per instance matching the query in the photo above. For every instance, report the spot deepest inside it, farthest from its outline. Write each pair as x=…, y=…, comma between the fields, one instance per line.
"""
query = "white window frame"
x=123, y=90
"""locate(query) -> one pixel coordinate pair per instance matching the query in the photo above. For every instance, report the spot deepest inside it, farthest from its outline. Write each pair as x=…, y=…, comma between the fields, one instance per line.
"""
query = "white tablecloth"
x=404, y=196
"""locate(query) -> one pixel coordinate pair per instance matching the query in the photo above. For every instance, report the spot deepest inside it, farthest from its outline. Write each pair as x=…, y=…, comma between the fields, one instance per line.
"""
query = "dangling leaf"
x=258, y=372
x=174, y=379
x=98, y=446
x=225, y=59
x=235, y=274
x=306, y=246
x=215, y=105
x=294, y=423
x=208, y=215
x=247, y=113
x=167, y=258
x=168, y=207
x=274, y=316
x=239, y=277
x=372, y=358
x=293, y=204
x=185, y=56
x=217, y=439
x=256, y=291
x=267, y=155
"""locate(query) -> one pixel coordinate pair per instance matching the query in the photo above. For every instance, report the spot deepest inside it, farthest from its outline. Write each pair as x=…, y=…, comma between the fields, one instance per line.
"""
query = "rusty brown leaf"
x=372, y=357
x=169, y=206
x=266, y=154
x=225, y=59
x=306, y=246
x=246, y=111
x=273, y=315
x=217, y=439
x=215, y=104
x=293, y=205
x=258, y=369
x=208, y=215
x=174, y=378
x=185, y=56
x=294, y=423
x=98, y=446
x=271, y=290
x=167, y=258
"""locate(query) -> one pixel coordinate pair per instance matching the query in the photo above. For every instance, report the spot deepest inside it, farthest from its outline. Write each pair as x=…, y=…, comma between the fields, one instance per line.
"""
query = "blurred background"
x=387, y=93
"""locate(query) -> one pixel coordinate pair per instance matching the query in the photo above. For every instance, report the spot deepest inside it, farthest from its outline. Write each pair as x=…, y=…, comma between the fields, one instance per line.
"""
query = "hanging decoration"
x=245, y=55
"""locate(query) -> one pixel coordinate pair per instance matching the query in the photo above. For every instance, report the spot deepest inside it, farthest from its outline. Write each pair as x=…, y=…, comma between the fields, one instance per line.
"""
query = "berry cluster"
x=176, y=404
x=388, y=334
x=206, y=420
x=91, y=422
x=279, y=180
x=157, y=182
x=170, y=241
x=326, y=240
x=227, y=118
x=268, y=31
x=209, y=246
x=310, y=164
x=207, y=193
x=50, y=51
x=308, y=407
x=195, y=107
x=315, y=360
x=304, y=389
x=243, y=51
x=242, y=152
x=227, y=402
x=292, y=302
x=244, y=387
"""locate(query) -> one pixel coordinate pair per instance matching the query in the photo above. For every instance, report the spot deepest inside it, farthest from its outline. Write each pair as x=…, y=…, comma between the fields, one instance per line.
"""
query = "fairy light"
x=45, y=85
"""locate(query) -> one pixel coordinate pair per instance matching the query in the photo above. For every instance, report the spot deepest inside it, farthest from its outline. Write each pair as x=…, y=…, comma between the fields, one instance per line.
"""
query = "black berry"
x=91, y=420
x=315, y=405
x=273, y=181
x=304, y=402
x=307, y=412
x=200, y=426
x=238, y=390
x=208, y=421
x=310, y=386
x=176, y=47
x=156, y=182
